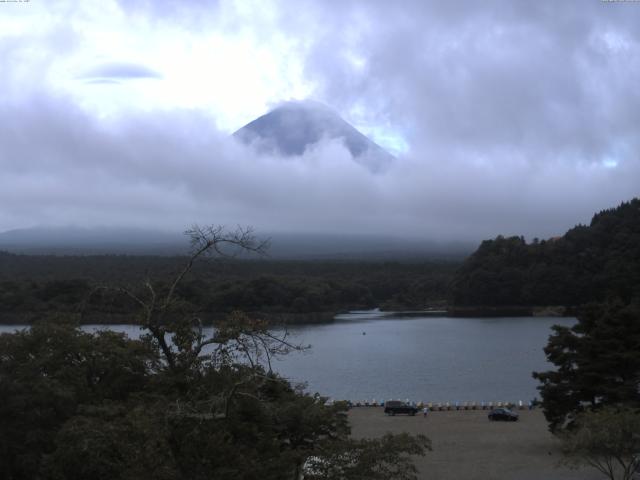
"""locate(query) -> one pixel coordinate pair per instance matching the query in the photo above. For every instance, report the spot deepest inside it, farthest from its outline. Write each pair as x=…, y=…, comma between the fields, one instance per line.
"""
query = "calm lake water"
x=439, y=359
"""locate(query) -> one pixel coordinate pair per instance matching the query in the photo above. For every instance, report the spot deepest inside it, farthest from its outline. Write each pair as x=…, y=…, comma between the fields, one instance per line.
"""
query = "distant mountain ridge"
x=293, y=127
x=132, y=241
x=72, y=240
x=587, y=264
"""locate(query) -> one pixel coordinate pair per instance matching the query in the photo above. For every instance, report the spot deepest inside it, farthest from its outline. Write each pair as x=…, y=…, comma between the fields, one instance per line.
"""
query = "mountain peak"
x=292, y=127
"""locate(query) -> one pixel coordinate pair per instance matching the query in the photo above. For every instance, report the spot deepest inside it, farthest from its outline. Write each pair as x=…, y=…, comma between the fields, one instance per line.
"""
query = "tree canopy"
x=597, y=363
x=607, y=440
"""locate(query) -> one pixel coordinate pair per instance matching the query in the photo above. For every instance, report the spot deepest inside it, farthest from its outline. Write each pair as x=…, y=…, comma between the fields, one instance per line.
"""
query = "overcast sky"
x=506, y=117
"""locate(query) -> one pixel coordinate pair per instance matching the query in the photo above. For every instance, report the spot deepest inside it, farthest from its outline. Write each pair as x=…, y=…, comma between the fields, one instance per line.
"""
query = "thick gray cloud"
x=546, y=80
x=520, y=117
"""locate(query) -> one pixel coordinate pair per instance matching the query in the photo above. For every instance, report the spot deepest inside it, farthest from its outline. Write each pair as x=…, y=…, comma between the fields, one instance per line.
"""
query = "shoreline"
x=310, y=318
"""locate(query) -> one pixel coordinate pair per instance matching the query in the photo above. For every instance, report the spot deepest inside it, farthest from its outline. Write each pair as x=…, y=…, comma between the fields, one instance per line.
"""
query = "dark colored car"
x=503, y=414
x=393, y=407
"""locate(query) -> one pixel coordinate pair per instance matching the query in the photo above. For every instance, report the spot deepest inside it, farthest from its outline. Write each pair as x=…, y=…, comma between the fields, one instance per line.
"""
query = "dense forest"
x=589, y=263
x=292, y=290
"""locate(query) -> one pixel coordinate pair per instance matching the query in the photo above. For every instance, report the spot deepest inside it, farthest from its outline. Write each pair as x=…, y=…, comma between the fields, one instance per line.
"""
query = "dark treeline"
x=589, y=263
x=30, y=285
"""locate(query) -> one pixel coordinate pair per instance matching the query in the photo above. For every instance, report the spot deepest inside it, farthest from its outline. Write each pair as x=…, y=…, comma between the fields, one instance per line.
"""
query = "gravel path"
x=467, y=446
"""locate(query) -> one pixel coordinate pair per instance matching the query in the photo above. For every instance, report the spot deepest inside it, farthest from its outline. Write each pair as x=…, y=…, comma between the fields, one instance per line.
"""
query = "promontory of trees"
x=587, y=264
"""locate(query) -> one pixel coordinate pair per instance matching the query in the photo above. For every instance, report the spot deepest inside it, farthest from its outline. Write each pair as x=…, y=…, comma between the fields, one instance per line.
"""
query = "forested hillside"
x=31, y=285
x=589, y=263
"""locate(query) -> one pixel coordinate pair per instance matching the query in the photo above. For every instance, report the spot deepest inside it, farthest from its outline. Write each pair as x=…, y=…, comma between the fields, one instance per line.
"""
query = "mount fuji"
x=290, y=129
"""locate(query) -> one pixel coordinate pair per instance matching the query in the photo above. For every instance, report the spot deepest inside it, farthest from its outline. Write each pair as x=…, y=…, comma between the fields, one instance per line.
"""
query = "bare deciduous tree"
x=179, y=334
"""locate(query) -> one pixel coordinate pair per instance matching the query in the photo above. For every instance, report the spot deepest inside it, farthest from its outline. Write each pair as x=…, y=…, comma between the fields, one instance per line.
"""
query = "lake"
x=369, y=355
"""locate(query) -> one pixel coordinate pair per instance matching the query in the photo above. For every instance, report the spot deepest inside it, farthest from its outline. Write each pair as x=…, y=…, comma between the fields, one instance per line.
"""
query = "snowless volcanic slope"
x=294, y=126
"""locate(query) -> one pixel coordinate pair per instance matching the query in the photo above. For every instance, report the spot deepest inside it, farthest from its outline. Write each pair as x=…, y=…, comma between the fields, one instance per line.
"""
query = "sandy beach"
x=467, y=446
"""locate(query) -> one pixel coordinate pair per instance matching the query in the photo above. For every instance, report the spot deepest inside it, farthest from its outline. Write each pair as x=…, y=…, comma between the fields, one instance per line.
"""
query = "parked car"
x=393, y=407
x=503, y=414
